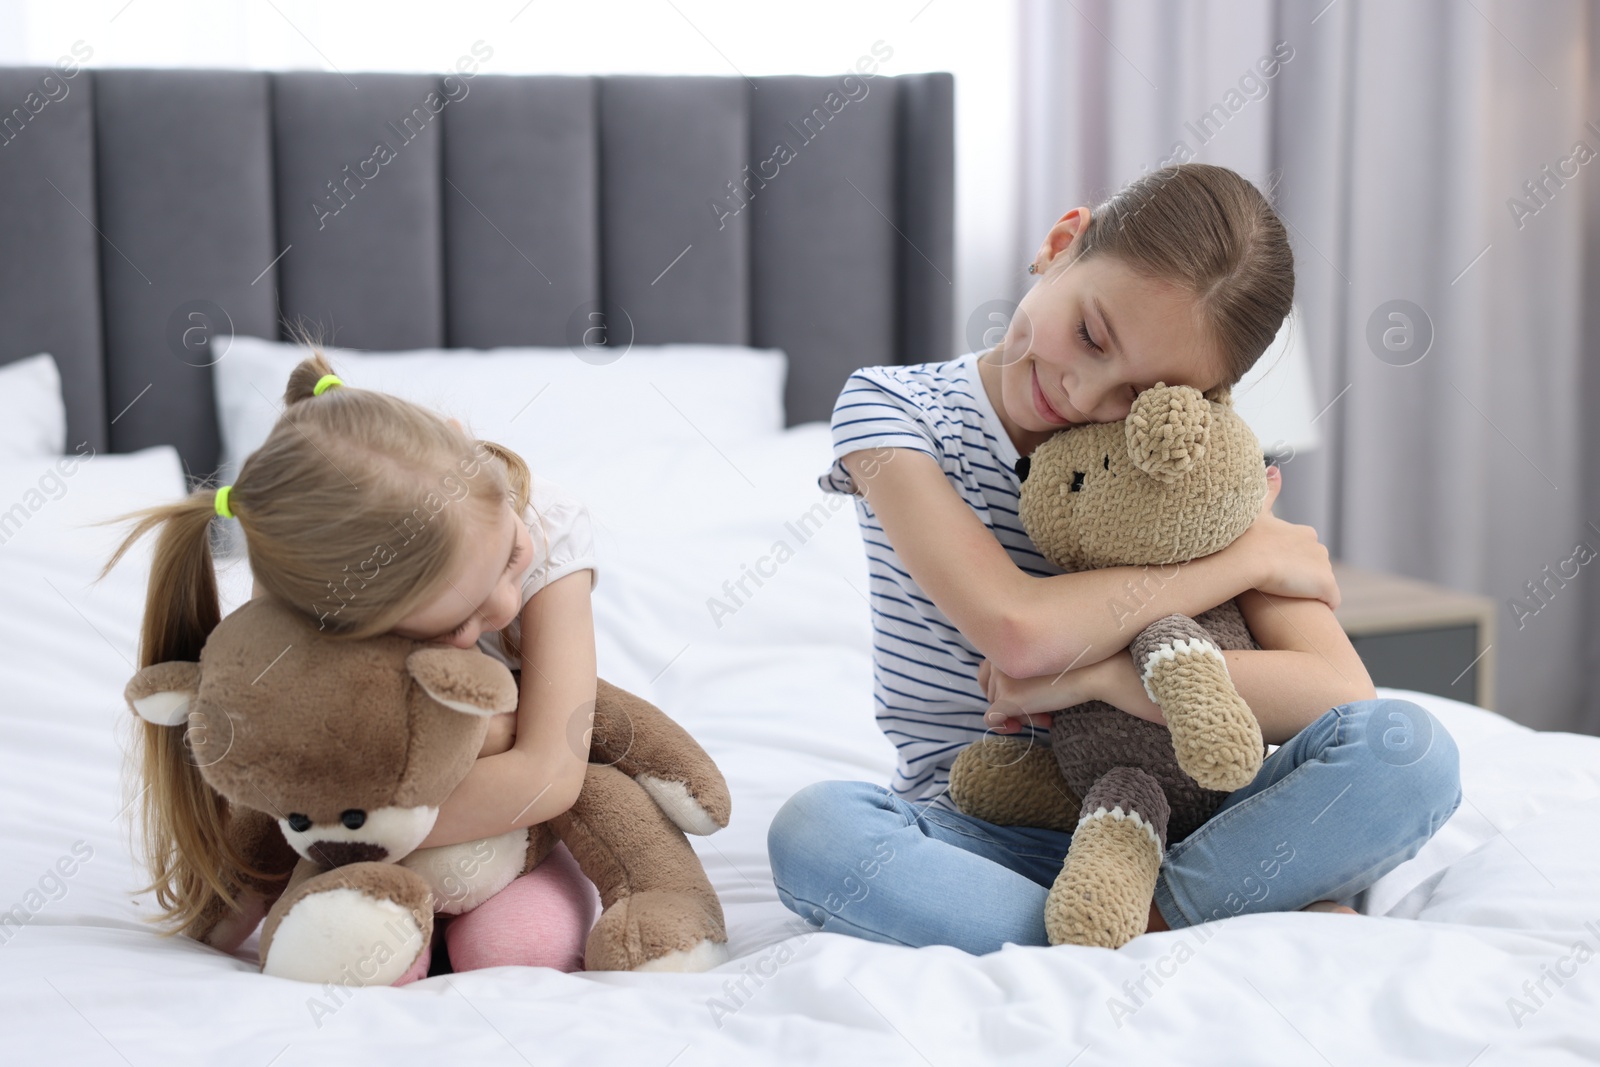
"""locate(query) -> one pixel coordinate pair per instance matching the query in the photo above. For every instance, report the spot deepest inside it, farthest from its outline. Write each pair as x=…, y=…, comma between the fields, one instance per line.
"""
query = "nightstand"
x=1413, y=634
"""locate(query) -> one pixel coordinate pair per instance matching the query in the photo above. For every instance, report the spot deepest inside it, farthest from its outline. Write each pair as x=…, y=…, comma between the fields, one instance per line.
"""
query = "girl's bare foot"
x=1158, y=923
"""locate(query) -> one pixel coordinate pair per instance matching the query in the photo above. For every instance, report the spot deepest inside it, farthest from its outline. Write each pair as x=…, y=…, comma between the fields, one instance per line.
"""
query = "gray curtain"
x=1435, y=153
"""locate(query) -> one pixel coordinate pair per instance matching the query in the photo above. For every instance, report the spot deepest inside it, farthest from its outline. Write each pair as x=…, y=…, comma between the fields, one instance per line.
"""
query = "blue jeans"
x=1342, y=803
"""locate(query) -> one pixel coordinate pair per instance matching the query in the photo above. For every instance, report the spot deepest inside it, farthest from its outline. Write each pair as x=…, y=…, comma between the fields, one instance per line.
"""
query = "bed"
x=147, y=197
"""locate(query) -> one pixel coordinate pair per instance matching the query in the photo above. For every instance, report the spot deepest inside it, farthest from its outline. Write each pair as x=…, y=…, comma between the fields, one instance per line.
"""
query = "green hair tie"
x=326, y=382
x=221, y=503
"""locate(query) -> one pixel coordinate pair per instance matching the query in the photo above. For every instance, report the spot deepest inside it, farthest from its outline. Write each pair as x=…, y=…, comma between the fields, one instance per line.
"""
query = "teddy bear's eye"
x=1077, y=482
x=353, y=819
x=299, y=823
x=1108, y=461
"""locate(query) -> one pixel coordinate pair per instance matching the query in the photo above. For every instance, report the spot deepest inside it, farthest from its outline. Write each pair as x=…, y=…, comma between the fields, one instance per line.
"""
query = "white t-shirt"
x=563, y=541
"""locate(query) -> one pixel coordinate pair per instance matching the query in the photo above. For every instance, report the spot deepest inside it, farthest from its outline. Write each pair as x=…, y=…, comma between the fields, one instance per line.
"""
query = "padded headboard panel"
x=499, y=217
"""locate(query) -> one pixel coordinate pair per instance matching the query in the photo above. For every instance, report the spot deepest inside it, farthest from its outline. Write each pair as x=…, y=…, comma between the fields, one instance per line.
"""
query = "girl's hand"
x=1287, y=557
x=1018, y=702
x=1030, y=701
x=502, y=733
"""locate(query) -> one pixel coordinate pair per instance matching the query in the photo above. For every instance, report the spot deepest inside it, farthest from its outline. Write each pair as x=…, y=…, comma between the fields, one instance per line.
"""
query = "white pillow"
x=49, y=504
x=556, y=410
x=33, y=417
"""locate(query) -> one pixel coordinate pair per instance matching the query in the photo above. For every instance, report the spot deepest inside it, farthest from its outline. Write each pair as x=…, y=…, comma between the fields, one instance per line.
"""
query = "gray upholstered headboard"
x=503, y=211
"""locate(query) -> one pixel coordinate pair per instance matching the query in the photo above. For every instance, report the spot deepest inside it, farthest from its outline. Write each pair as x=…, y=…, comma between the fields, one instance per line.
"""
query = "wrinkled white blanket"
x=1480, y=950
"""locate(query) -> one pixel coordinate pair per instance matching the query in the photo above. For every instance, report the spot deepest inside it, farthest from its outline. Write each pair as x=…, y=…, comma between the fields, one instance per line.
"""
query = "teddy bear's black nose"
x=1077, y=482
x=1022, y=466
x=353, y=819
x=299, y=823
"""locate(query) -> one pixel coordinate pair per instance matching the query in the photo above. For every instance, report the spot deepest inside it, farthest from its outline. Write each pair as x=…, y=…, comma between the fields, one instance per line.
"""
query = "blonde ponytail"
x=181, y=608
x=183, y=821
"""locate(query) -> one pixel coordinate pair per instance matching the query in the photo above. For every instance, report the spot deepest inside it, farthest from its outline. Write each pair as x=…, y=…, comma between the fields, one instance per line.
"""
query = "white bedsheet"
x=780, y=695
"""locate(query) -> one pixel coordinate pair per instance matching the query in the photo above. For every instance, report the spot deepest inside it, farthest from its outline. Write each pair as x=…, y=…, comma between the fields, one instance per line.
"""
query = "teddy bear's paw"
x=345, y=936
x=1102, y=896
x=1215, y=736
x=679, y=804
x=1012, y=781
x=702, y=957
x=656, y=930
x=1221, y=759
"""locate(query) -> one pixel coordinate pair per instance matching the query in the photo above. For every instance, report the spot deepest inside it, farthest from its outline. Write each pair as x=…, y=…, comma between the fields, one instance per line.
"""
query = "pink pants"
x=540, y=920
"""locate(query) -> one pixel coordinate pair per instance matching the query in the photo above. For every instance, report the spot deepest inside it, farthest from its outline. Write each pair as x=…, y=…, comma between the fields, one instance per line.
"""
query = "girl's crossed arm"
x=1306, y=665
x=1031, y=626
x=540, y=776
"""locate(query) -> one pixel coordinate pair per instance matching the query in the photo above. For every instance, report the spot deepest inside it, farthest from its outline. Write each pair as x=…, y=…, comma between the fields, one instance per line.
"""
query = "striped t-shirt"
x=924, y=671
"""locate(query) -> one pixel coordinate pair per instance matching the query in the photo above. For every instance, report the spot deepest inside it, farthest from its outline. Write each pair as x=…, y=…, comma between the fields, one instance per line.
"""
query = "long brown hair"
x=353, y=510
x=1211, y=231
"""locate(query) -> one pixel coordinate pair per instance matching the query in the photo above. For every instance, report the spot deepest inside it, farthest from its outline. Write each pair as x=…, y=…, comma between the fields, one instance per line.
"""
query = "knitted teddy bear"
x=333, y=756
x=1181, y=477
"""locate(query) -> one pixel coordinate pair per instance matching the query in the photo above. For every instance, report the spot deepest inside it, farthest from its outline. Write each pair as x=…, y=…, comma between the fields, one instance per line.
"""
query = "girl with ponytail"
x=375, y=515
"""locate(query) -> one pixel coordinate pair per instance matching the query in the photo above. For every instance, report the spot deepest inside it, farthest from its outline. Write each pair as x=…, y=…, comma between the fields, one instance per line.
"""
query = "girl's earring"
x=1033, y=268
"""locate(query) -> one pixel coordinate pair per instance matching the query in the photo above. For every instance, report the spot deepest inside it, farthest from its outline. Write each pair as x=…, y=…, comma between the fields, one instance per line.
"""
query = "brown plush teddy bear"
x=334, y=756
x=1181, y=477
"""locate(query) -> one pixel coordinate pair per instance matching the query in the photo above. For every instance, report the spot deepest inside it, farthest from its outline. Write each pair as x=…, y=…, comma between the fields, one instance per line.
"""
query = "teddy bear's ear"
x=161, y=692
x=1167, y=430
x=464, y=679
